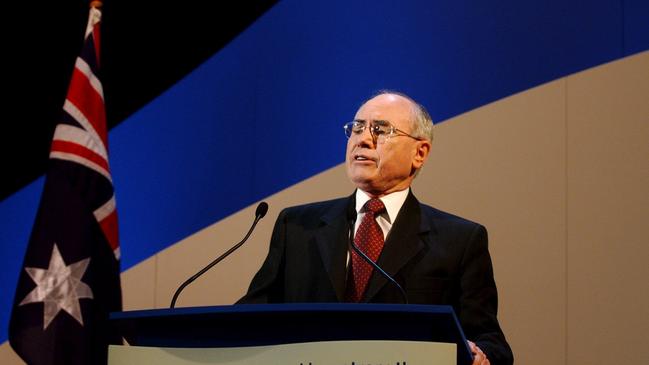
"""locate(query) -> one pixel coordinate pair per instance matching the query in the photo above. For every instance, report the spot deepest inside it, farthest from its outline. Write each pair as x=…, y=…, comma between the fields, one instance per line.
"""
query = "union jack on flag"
x=70, y=277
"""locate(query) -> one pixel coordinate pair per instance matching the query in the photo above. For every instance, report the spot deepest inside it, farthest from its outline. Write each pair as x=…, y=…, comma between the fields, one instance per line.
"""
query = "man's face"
x=383, y=168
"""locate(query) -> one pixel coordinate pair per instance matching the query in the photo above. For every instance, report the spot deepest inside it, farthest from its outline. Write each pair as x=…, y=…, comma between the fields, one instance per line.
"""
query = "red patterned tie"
x=369, y=239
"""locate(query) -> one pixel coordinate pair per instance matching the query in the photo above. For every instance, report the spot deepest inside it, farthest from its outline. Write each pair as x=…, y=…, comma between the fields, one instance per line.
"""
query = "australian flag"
x=70, y=277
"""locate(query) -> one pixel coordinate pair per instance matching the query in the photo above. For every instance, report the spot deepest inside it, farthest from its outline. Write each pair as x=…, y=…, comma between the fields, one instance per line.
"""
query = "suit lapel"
x=331, y=238
x=404, y=241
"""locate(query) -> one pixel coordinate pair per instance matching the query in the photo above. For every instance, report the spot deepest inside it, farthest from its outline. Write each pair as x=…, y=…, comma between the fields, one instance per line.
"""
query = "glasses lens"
x=358, y=126
x=349, y=128
x=381, y=131
x=355, y=127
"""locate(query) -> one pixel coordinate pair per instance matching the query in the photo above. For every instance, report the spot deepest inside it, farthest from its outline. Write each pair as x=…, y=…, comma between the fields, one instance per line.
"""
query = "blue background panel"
x=636, y=26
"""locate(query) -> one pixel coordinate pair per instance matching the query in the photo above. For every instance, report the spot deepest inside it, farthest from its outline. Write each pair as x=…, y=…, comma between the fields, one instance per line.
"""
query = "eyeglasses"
x=381, y=130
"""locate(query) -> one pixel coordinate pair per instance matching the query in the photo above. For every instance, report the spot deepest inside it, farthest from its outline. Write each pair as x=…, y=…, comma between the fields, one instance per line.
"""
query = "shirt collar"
x=393, y=202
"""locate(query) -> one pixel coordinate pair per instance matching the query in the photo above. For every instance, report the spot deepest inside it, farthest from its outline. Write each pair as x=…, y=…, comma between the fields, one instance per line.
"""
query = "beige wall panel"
x=608, y=213
x=8, y=356
x=503, y=165
x=228, y=281
x=138, y=285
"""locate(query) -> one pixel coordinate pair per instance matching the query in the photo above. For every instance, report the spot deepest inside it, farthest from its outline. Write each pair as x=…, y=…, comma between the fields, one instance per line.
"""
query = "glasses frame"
x=374, y=126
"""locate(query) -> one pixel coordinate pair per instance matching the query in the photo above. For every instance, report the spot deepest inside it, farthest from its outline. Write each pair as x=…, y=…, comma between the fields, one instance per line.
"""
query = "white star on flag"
x=59, y=287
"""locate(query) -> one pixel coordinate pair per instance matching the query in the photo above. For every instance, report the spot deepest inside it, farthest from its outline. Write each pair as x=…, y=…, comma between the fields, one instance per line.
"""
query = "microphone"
x=261, y=211
x=351, y=218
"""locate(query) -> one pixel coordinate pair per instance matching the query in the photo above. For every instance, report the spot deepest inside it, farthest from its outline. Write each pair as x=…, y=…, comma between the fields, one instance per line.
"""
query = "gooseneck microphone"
x=351, y=218
x=261, y=211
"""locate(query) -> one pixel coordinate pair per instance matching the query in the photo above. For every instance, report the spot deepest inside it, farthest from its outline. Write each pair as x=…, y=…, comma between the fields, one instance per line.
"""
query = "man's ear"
x=421, y=154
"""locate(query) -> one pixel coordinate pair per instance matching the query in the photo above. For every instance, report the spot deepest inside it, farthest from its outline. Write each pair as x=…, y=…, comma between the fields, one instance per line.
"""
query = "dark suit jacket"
x=436, y=257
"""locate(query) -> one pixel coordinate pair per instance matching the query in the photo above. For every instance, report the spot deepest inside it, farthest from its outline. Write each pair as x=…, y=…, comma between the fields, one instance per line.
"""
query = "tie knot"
x=374, y=206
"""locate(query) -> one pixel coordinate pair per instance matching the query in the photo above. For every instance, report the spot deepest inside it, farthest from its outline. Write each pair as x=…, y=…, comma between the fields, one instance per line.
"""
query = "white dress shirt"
x=393, y=203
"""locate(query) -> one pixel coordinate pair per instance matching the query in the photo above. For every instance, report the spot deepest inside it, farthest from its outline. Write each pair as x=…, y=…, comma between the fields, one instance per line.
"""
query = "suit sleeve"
x=267, y=286
x=478, y=304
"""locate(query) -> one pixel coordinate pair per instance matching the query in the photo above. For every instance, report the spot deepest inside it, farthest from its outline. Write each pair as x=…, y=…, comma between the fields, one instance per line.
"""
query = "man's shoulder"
x=440, y=217
x=318, y=208
x=454, y=227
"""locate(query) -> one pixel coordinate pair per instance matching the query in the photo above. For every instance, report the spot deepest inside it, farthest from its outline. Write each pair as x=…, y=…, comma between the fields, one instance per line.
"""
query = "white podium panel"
x=310, y=353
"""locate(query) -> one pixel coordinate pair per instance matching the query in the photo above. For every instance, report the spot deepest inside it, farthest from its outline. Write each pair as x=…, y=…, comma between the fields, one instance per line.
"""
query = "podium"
x=249, y=325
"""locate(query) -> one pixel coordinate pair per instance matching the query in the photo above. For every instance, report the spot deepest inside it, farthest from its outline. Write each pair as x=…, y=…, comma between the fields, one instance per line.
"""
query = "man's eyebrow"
x=381, y=122
x=374, y=121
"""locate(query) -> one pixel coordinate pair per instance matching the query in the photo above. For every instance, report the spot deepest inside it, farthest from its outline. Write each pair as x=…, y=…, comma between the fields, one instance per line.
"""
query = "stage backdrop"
x=542, y=128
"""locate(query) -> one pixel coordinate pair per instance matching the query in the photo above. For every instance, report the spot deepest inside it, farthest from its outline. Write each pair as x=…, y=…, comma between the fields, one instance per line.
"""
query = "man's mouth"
x=364, y=160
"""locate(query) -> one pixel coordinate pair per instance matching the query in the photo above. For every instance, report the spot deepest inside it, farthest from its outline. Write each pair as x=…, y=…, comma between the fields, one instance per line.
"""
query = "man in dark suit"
x=436, y=257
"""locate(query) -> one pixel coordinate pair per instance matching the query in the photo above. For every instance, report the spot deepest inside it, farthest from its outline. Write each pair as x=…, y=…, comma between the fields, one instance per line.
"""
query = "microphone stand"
x=262, y=208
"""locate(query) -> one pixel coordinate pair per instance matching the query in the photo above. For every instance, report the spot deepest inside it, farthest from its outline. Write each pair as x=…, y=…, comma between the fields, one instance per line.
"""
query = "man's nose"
x=366, y=138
